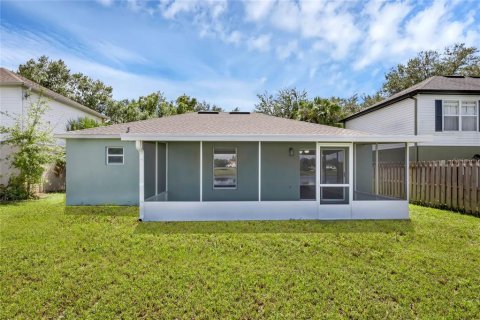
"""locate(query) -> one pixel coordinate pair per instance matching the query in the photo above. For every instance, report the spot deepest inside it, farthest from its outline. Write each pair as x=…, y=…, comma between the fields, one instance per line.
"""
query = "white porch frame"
x=269, y=210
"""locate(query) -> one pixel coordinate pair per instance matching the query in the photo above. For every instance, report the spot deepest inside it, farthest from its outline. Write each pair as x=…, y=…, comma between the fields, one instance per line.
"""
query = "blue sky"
x=227, y=52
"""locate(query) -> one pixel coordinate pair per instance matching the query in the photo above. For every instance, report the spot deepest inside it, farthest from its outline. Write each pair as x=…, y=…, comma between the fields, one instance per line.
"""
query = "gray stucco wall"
x=280, y=171
x=442, y=153
x=149, y=150
x=183, y=171
x=90, y=181
x=247, y=172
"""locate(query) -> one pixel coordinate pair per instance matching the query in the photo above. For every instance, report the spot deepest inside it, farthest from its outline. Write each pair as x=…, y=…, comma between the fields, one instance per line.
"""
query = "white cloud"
x=234, y=37
x=396, y=31
x=176, y=7
x=256, y=10
x=260, y=43
x=214, y=8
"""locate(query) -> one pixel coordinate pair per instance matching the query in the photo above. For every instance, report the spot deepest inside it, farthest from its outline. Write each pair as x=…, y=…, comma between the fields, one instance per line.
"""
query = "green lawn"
x=101, y=263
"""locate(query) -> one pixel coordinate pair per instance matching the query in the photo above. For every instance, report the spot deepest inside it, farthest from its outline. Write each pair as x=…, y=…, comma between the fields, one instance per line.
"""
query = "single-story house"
x=238, y=166
x=445, y=108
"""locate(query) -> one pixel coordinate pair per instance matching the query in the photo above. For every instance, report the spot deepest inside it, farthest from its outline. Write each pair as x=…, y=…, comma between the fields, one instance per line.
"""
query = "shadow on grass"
x=292, y=226
x=102, y=210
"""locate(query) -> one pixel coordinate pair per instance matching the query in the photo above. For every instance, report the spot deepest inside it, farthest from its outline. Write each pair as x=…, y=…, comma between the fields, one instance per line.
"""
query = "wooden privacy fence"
x=391, y=179
x=452, y=184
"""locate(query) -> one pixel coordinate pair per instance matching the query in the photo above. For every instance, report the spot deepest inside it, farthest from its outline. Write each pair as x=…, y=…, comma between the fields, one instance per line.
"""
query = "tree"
x=82, y=123
x=205, y=106
x=91, y=93
x=53, y=75
x=454, y=60
x=56, y=76
x=34, y=145
x=284, y=104
x=321, y=111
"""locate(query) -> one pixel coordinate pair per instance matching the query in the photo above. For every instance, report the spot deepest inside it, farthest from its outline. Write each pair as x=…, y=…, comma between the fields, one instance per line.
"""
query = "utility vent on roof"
x=454, y=76
x=207, y=112
x=239, y=112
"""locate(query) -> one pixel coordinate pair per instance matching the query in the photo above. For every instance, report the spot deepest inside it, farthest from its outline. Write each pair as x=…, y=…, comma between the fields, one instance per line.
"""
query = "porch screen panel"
x=379, y=172
x=334, y=175
x=307, y=174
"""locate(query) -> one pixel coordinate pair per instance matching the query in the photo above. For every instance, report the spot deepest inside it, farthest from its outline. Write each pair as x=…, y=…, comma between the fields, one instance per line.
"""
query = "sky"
x=228, y=52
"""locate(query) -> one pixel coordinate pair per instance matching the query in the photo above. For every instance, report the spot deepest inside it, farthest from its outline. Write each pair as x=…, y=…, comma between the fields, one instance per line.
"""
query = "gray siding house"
x=445, y=108
x=236, y=166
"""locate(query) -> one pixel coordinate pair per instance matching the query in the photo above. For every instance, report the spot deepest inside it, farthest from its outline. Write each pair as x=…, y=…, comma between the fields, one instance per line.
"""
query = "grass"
x=99, y=262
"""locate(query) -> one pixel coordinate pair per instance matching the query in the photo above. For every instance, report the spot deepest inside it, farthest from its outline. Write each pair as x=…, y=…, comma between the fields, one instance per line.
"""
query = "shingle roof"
x=220, y=124
x=434, y=84
x=8, y=77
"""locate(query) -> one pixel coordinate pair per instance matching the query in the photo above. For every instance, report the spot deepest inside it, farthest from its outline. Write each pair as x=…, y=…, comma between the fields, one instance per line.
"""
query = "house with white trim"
x=16, y=95
x=237, y=166
x=445, y=108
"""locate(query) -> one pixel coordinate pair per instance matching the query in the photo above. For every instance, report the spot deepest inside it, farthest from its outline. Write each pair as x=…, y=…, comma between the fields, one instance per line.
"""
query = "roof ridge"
x=427, y=81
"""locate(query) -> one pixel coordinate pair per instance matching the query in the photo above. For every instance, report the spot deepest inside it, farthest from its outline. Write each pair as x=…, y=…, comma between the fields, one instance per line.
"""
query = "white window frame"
x=472, y=116
x=236, y=169
x=460, y=115
x=107, y=149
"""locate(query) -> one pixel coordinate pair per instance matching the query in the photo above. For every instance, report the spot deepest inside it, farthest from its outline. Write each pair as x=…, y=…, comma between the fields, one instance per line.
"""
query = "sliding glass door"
x=334, y=175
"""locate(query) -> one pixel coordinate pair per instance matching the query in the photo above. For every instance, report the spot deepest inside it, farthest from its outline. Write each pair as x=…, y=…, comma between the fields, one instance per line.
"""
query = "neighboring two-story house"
x=16, y=95
x=446, y=108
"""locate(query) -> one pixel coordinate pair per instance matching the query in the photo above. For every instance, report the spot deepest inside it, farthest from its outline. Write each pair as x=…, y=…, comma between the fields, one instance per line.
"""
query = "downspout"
x=141, y=202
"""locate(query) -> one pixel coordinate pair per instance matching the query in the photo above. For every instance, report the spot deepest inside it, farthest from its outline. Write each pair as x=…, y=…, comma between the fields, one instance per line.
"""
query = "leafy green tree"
x=56, y=76
x=34, y=145
x=454, y=60
x=205, y=106
x=82, y=123
x=53, y=75
x=185, y=104
x=284, y=103
x=91, y=93
x=321, y=111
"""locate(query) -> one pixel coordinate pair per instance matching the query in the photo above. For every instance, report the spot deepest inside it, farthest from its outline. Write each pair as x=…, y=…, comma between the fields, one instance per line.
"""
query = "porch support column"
x=156, y=167
x=141, y=191
x=351, y=164
x=317, y=173
x=259, y=171
x=407, y=172
x=201, y=171
x=376, y=169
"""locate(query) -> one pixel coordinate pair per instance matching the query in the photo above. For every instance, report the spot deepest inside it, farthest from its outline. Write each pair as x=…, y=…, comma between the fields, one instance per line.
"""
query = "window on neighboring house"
x=225, y=168
x=115, y=155
x=469, y=115
x=451, y=117
x=460, y=115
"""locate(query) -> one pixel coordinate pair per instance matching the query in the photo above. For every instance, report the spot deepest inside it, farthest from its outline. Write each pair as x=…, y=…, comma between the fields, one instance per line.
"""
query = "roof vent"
x=207, y=112
x=454, y=76
x=239, y=112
